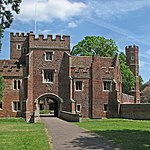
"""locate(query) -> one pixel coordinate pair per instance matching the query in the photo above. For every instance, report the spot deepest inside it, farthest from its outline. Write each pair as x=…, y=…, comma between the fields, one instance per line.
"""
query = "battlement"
x=50, y=37
x=131, y=47
x=81, y=69
x=59, y=42
x=18, y=34
x=9, y=69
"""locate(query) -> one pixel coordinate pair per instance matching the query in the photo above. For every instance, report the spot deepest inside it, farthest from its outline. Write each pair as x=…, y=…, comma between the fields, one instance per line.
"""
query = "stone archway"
x=47, y=99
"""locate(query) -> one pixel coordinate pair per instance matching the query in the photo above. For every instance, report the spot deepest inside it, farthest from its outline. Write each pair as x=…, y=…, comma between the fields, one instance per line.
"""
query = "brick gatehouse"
x=41, y=74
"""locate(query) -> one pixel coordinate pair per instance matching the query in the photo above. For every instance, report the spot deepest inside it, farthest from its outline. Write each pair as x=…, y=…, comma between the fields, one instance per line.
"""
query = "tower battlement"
x=18, y=34
x=131, y=47
x=59, y=42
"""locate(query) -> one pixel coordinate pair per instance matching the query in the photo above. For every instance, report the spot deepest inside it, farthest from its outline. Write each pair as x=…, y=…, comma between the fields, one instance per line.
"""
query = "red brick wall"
x=10, y=95
x=81, y=71
x=99, y=97
x=135, y=111
x=64, y=82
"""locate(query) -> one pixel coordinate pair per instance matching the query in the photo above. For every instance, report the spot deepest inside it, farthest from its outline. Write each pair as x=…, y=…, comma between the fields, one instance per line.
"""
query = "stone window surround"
x=105, y=108
x=16, y=101
x=110, y=88
x=78, y=109
x=17, y=84
x=77, y=80
x=24, y=50
x=50, y=51
x=54, y=72
x=18, y=46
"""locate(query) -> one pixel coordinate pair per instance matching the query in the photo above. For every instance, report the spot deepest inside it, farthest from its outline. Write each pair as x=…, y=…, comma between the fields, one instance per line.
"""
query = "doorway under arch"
x=48, y=103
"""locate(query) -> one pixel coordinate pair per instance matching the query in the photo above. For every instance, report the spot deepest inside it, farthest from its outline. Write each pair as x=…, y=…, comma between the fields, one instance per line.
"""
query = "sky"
x=127, y=22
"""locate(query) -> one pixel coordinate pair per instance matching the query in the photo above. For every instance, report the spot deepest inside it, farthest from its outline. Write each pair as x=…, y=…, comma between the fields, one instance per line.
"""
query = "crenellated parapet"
x=15, y=37
x=7, y=69
x=131, y=47
x=80, y=69
x=49, y=42
x=80, y=72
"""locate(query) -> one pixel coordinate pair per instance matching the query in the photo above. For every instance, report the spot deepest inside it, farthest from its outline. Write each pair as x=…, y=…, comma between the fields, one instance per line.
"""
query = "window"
x=48, y=56
x=107, y=85
x=17, y=84
x=16, y=106
x=78, y=107
x=105, y=107
x=19, y=46
x=24, y=50
x=49, y=75
x=0, y=105
x=132, y=57
x=79, y=85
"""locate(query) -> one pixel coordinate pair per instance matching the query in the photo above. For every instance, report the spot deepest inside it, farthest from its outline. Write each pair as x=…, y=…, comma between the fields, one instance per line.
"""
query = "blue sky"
x=127, y=22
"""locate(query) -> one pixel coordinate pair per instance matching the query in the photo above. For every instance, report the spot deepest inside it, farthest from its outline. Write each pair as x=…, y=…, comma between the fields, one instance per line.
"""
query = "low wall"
x=127, y=98
x=135, y=111
x=68, y=116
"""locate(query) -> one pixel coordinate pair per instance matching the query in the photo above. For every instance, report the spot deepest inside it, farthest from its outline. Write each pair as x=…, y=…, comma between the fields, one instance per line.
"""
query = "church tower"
x=133, y=63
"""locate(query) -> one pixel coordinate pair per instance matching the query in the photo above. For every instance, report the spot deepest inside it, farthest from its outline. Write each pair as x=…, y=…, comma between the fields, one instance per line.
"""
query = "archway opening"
x=48, y=104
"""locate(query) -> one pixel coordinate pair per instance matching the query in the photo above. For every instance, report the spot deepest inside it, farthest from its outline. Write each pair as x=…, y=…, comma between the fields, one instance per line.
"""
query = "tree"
x=2, y=87
x=1, y=35
x=128, y=78
x=95, y=45
x=6, y=17
x=141, y=82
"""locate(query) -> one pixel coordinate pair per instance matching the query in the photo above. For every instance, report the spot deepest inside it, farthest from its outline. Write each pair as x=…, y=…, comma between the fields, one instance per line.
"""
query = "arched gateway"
x=48, y=101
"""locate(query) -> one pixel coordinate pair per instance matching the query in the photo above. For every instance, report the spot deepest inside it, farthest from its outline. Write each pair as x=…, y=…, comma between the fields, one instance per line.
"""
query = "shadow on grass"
x=91, y=141
x=128, y=139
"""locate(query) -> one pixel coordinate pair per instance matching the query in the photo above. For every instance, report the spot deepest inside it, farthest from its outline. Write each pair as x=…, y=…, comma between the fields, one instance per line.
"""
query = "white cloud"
x=72, y=24
x=47, y=11
x=108, y=9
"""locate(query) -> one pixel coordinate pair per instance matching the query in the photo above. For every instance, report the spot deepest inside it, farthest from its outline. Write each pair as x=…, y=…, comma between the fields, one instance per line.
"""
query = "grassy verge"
x=129, y=134
x=18, y=135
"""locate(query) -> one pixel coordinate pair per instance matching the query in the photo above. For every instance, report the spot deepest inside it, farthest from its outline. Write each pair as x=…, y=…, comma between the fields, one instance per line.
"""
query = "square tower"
x=133, y=63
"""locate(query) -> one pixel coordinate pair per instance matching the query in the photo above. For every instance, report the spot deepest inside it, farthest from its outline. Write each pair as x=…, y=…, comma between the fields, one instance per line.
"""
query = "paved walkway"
x=66, y=136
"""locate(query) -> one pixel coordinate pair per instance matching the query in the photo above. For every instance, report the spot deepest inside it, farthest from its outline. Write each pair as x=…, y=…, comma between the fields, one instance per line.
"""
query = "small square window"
x=105, y=107
x=49, y=76
x=78, y=108
x=19, y=46
x=79, y=85
x=16, y=106
x=48, y=56
x=107, y=85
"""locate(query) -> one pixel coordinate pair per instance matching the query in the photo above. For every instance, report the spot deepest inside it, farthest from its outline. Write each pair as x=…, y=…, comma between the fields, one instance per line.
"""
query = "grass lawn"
x=129, y=134
x=16, y=134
